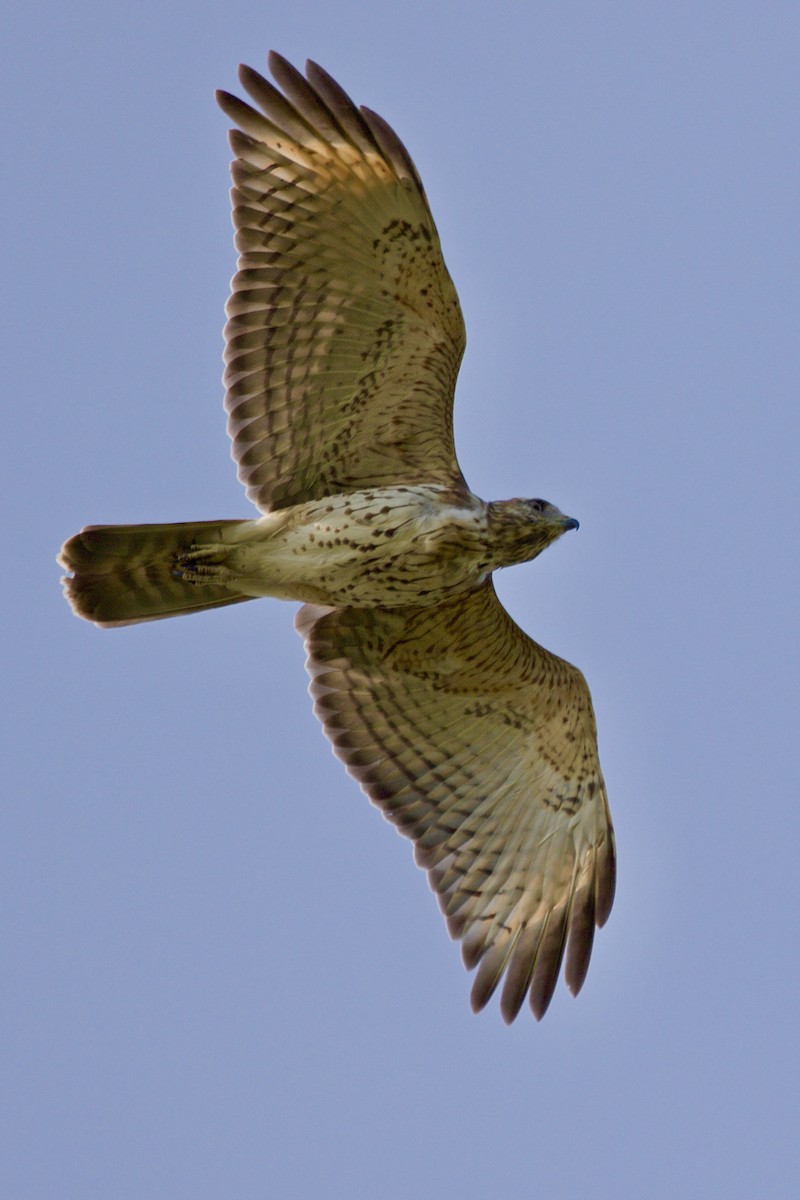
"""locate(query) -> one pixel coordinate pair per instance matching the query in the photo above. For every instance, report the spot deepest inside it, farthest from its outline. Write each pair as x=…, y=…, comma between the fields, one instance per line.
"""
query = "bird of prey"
x=344, y=336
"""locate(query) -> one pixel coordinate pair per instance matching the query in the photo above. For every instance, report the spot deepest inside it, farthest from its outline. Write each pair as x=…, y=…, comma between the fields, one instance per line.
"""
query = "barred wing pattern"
x=480, y=746
x=344, y=332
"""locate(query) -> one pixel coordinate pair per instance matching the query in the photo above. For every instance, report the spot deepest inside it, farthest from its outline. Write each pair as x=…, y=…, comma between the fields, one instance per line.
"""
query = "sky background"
x=222, y=974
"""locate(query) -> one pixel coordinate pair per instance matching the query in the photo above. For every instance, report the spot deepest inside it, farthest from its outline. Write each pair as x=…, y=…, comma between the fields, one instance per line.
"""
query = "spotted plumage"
x=343, y=342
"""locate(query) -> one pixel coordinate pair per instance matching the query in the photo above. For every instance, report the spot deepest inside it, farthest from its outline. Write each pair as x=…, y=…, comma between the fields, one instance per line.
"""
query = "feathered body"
x=382, y=547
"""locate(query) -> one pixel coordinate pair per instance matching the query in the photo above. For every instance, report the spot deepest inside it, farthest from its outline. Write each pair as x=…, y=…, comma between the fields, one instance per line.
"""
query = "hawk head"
x=521, y=529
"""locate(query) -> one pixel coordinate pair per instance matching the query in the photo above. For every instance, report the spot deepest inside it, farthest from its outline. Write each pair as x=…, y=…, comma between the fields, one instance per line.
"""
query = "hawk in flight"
x=343, y=342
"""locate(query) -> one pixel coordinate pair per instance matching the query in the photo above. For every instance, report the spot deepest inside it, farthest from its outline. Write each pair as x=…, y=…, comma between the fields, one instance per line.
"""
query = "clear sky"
x=222, y=974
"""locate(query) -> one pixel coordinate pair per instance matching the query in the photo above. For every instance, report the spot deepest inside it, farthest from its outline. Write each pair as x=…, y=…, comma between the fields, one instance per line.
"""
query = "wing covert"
x=344, y=332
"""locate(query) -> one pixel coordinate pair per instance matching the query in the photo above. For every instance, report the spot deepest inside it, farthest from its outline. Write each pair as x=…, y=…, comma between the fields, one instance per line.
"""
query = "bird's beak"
x=570, y=523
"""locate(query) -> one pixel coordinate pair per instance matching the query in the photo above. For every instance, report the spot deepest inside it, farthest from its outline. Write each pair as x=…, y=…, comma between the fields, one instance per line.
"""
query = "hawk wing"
x=480, y=746
x=344, y=332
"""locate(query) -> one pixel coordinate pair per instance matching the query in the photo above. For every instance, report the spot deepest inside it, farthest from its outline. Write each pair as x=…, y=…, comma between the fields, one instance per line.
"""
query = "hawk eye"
x=538, y=505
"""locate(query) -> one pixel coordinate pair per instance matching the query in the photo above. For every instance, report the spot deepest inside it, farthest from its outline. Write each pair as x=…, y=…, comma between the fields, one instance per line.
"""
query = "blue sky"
x=223, y=975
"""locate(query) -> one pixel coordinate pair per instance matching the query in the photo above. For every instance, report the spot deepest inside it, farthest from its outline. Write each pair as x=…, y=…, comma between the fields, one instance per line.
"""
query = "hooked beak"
x=570, y=523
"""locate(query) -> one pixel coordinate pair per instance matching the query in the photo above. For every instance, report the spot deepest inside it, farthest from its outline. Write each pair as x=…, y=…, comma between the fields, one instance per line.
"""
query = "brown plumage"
x=343, y=342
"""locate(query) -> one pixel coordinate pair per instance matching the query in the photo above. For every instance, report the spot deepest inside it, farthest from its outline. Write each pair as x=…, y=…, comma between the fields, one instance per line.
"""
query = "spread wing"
x=480, y=746
x=344, y=332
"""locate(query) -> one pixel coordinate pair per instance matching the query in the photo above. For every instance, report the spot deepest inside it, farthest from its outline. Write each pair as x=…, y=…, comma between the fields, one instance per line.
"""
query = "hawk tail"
x=122, y=574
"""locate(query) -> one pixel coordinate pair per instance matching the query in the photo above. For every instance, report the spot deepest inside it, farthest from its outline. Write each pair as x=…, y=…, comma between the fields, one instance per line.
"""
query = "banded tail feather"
x=124, y=574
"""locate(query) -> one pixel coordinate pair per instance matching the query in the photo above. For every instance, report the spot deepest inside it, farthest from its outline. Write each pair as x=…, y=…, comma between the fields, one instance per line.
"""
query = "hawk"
x=344, y=336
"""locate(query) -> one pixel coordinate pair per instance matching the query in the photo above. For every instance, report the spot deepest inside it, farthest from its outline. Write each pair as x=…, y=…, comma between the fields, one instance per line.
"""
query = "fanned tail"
x=121, y=574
